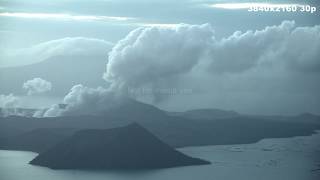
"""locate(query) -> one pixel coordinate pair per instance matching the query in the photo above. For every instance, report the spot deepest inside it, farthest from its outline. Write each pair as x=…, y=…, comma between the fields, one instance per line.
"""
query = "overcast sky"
x=258, y=63
x=139, y=12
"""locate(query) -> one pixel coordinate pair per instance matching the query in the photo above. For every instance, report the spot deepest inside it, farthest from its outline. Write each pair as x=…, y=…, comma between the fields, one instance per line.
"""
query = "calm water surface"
x=295, y=158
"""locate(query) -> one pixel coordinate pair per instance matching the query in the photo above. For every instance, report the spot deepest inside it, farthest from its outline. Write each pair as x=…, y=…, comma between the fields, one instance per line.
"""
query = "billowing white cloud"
x=152, y=55
x=158, y=56
x=60, y=47
x=233, y=67
x=148, y=55
x=37, y=86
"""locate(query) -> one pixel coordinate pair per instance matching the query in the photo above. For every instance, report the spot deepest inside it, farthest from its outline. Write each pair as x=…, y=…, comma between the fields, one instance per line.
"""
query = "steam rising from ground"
x=8, y=104
x=83, y=100
x=8, y=101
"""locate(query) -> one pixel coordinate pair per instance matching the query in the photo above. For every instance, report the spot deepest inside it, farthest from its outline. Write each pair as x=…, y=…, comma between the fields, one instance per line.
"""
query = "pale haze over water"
x=277, y=159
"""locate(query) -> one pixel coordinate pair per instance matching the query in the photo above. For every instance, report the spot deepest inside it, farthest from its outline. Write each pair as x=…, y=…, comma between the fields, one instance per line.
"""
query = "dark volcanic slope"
x=129, y=147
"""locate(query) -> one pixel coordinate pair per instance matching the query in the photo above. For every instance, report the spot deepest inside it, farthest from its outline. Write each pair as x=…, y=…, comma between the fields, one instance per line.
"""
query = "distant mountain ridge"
x=175, y=130
x=205, y=114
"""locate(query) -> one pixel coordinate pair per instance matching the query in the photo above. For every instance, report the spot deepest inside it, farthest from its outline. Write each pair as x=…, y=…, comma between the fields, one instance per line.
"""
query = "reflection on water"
x=277, y=159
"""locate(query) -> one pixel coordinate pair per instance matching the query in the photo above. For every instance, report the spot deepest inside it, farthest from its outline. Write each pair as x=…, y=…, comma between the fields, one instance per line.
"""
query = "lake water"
x=295, y=158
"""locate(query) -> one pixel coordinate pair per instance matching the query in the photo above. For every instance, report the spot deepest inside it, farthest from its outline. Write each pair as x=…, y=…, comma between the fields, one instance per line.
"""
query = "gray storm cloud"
x=162, y=56
x=294, y=48
x=37, y=86
x=242, y=51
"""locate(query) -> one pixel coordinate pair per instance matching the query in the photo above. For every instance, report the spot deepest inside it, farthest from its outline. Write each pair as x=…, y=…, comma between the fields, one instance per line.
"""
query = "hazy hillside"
x=86, y=70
